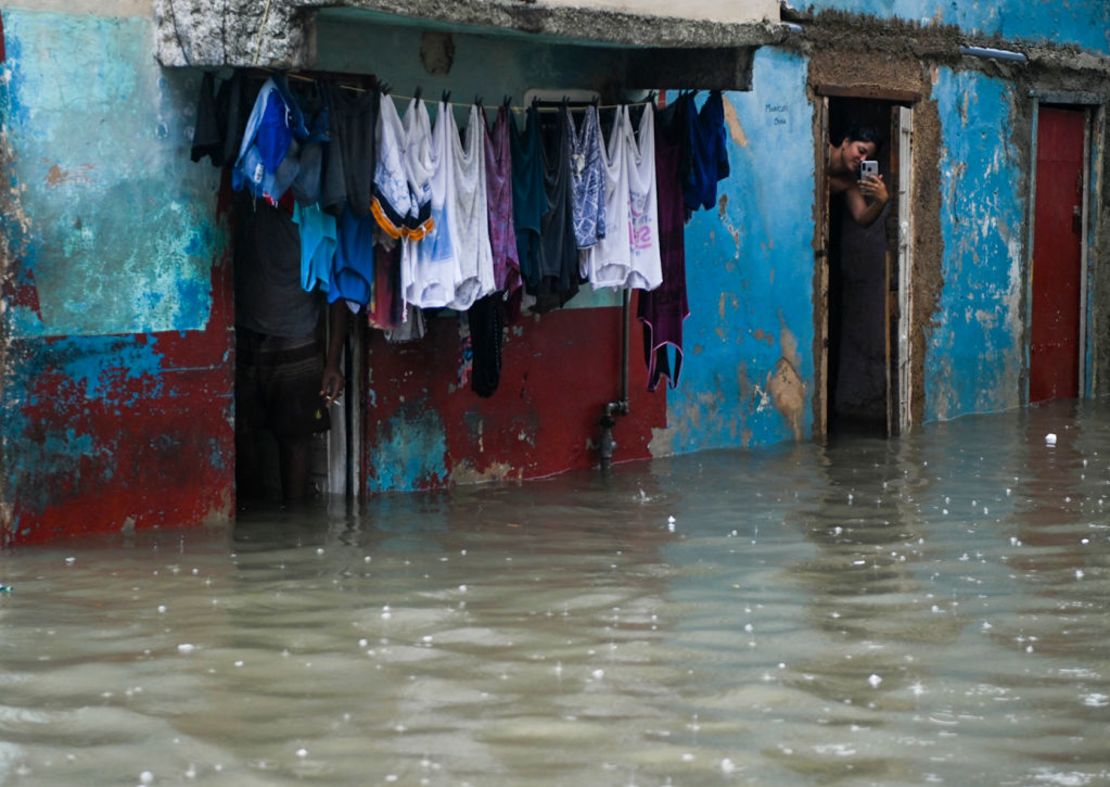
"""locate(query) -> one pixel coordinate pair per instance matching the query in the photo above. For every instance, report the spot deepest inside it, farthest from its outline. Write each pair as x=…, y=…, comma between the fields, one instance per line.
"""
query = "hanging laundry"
x=208, y=137
x=708, y=152
x=411, y=329
x=646, y=271
x=307, y=185
x=353, y=276
x=469, y=212
x=221, y=119
x=351, y=156
x=558, y=274
x=529, y=199
x=429, y=265
x=499, y=199
x=274, y=123
x=487, y=321
x=663, y=309
x=587, y=177
x=386, y=309
x=318, y=242
x=609, y=262
x=419, y=167
x=392, y=203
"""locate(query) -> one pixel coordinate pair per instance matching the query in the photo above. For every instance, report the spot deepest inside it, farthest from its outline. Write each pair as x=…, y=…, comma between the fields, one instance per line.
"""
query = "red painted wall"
x=132, y=447
x=424, y=430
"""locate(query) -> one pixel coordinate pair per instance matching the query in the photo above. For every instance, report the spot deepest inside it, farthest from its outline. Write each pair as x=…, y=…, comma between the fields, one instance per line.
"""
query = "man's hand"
x=332, y=385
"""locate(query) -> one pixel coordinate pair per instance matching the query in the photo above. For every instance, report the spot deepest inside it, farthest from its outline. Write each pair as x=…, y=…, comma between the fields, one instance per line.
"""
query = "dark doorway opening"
x=860, y=284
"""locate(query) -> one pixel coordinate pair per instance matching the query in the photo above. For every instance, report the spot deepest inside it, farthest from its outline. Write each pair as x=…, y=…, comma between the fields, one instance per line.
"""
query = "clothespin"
x=446, y=96
x=508, y=100
x=418, y=92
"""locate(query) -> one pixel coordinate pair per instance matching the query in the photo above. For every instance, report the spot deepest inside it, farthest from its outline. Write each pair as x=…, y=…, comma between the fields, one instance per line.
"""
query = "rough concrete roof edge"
x=854, y=32
x=575, y=23
x=186, y=30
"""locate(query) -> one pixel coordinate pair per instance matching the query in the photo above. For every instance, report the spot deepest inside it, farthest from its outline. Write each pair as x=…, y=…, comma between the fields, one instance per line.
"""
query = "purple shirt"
x=499, y=198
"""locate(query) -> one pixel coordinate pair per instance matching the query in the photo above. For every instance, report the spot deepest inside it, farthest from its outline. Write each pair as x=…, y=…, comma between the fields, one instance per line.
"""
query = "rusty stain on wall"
x=735, y=129
x=785, y=384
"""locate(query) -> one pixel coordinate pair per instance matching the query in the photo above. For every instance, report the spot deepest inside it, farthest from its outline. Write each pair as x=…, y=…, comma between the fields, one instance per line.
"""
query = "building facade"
x=979, y=290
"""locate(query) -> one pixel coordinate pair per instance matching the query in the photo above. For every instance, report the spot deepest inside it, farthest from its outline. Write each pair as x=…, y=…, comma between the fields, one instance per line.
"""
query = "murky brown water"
x=933, y=609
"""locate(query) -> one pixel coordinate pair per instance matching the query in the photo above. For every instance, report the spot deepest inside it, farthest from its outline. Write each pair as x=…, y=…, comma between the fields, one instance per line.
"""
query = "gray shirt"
x=269, y=298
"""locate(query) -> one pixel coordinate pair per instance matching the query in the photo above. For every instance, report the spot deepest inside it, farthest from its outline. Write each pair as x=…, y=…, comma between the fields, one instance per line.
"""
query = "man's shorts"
x=277, y=384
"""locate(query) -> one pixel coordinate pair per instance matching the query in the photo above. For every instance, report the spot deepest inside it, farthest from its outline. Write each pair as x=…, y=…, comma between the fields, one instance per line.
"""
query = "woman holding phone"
x=864, y=194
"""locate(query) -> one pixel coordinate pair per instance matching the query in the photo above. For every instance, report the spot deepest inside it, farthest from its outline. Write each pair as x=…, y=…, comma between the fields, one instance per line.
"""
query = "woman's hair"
x=862, y=134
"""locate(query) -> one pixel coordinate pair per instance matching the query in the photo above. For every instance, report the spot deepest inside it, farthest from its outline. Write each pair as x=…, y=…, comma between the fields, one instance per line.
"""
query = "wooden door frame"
x=1093, y=106
x=897, y=99
x=821, y=272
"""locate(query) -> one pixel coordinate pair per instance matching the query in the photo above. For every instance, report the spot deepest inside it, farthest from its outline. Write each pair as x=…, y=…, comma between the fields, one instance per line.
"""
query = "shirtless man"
x=865, y=198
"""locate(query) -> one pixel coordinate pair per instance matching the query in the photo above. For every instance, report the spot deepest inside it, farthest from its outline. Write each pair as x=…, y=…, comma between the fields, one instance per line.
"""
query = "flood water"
x=932, y=609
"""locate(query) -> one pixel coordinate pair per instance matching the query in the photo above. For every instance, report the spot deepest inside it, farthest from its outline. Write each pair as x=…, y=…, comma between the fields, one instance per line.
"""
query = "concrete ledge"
x=278, y=33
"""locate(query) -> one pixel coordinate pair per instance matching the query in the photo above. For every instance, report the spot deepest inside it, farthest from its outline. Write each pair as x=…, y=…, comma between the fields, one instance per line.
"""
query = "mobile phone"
x=868, y=168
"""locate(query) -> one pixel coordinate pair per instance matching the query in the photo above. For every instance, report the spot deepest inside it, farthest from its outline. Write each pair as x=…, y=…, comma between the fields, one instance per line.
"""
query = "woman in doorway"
x=865, y=197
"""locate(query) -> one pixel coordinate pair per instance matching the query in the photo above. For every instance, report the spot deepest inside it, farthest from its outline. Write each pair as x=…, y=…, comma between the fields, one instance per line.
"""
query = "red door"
x=1057, y=233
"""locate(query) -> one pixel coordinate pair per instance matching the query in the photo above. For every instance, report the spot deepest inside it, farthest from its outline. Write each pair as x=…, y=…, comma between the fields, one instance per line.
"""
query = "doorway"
x=864, y=353
x=1060, y=208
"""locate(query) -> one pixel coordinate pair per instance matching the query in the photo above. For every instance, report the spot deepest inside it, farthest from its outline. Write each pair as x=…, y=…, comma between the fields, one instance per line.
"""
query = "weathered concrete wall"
x=975, y=355
x=117, y=389
x=1082, y=23
x=711, y=10
x=748, y=374
x=279, y=34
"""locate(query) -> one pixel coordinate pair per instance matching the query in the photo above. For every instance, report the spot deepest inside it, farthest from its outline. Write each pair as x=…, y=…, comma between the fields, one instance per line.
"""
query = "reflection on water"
x=930, y=609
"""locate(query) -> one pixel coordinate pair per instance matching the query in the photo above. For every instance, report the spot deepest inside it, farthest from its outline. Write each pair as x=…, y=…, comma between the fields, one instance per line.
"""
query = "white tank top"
x=429, y=266
x=609, y=261
x=643, y=211
x=470, y=213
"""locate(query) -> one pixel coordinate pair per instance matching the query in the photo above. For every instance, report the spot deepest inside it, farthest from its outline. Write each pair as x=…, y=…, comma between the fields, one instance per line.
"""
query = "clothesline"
x=513, y=107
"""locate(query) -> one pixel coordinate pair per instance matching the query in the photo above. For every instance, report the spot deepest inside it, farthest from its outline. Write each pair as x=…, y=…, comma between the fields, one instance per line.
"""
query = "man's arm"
x=865, y=213
x=332, y=384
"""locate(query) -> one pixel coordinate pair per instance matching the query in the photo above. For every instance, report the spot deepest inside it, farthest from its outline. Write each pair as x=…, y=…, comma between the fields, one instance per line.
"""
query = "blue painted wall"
x=748, y=374
x=118, y=226
x=115, y=407
x=1084, y=23
x=975, y=352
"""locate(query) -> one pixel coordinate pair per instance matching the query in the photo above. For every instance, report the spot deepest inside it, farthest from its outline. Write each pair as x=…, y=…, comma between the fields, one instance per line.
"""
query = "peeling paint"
x=735, y=129
x=974, y=356
x=733, y=370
